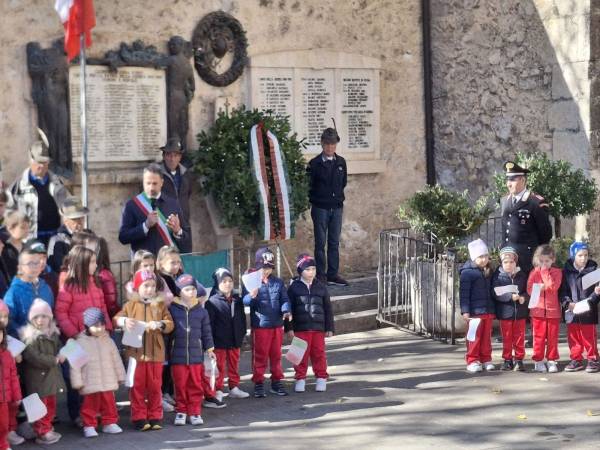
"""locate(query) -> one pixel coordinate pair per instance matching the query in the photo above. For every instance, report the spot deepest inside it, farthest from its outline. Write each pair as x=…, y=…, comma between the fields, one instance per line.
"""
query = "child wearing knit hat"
x=41, y=365
x=509, y=291
x=100, y=377
x=148, y=307
x=476, y=302
x=312, y=321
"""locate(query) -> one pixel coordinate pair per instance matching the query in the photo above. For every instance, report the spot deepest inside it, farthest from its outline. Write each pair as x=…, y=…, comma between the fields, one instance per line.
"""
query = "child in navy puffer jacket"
x=269, y=306
x=476, y=303
x=511, y=308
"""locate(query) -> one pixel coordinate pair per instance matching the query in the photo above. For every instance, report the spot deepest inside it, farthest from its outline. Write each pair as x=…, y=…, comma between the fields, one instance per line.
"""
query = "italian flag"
x=78, y=17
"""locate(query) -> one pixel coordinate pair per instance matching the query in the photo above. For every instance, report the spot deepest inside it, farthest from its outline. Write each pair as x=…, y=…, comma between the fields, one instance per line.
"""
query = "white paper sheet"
x=135, y=337
x=34, y=408
x=536, y=291
x=130, y=372
x=252, y=280
x=75, y=354
x=473, y=325
x=581, y=307
x=296, y=351
x=590, y=279
x=510, y=289
x=14, y=346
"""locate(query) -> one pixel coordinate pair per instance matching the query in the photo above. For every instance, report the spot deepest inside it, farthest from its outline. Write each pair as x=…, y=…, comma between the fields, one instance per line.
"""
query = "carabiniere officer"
x=525, y=216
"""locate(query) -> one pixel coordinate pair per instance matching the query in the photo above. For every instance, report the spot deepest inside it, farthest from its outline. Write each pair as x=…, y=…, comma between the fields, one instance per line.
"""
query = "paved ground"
x=390, y=389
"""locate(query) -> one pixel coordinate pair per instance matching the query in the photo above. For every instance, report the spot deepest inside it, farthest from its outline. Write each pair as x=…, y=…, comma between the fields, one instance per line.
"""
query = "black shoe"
x=574, y=366
x=592, y=366
x=519, y=366
x=336, y=280
x=322, y=278
x=278, y=389
x=156, y=424
x=507, y=365
x=213, y=402
x=259, y=390
x=141, y=425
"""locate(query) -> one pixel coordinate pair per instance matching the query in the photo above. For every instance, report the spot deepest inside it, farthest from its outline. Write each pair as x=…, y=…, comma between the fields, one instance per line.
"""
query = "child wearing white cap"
x=476, y=302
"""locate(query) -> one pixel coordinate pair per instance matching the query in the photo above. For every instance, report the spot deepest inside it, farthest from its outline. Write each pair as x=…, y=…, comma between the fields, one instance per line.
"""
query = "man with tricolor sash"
x=152, y=219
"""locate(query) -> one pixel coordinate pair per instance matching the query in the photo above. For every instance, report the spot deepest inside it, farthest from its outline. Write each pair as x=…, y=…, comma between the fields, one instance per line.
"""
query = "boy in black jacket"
x=228, y=324
x=511, y=308
x=312, y=321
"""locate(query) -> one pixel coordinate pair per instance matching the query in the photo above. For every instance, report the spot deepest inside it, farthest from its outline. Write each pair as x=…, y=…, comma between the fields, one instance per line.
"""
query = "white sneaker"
x=300, y=386
x=321, y=385
x=219, y=395
x=236, y=392
x=112, y=428
x=14, y=438
x=167, y=398
x=180, y=419
x=552, y=367
x=167, y=407
x=489, y=367
x=196, y=420
x=539, y=367
x=474, y=367
x=90, y=432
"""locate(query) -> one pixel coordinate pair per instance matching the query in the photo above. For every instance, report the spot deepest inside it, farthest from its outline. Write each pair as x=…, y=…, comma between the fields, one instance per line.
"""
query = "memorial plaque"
x=315, y=90
x=126, y=113
x=357, y=108
x=274, y=90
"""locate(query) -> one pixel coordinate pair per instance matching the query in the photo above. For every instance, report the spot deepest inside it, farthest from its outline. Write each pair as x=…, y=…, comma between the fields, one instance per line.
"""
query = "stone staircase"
x=355, y=306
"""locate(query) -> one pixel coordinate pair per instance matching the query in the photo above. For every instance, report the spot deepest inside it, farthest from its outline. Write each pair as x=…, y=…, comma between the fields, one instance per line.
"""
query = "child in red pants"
x=511, y=308
x=10, y=390
x=41, y=365
x=97, y=380
x=545, y=312
x=149, y=307
x=313, y=321
x=581, y=328
x=476, y=302
x=190, y=338
x=228, y=324
x=269, y=307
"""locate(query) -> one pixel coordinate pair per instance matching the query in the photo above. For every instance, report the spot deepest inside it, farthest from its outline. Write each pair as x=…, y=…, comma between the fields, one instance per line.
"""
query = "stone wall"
x=388, y=30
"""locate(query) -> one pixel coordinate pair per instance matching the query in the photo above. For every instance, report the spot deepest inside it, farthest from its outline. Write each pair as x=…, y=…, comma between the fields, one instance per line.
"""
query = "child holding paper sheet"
x=190, y=338
x=97, y=380
x=10, y=391
x=148, y=307
x=41, y=366
x=269, y=307
x=581, y=328
x=476, y=302
x=312, y=321
x=509, y=291
x=546, y=314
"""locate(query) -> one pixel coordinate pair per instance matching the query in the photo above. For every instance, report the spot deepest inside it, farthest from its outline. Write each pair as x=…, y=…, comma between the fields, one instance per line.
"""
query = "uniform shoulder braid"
x=541, y=201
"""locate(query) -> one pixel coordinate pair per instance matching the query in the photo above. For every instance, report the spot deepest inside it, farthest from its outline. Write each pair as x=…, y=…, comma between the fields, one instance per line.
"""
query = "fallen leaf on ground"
x=593, y=413
x=341, y=400
x=496, y=390
x=522, y=417
x=380, y=360
x=543, y=379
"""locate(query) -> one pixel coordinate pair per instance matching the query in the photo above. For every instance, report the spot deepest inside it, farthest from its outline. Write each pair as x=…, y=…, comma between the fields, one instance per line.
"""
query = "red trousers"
x=146, y=394
x=513, y=338
x=582, y=337
x=13, y=410
x=315, y=350
x=266, y=347
x=231, y=357
x=481, y=349
x=545, y=338
x=44, y=425
x=188, y=380
x=4, y=427
x=98, y=404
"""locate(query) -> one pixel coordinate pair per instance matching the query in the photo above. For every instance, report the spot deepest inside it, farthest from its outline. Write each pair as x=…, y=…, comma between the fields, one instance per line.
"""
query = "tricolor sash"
x=143, y=203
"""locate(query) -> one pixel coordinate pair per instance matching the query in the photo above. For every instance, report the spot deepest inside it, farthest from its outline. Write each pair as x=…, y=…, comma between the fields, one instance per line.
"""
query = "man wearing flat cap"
x=177, y=181
x=73, y=215
x=39, y=193
x=525, y=219
x=327, y=177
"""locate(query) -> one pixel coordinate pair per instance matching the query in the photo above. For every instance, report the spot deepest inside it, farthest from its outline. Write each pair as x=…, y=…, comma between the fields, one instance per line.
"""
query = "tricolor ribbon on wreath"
x=143, y=203
x=274, y=193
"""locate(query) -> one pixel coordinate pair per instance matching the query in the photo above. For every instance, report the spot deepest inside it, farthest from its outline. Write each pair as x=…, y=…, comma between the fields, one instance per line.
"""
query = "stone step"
x=342, y=304
x=356, y=321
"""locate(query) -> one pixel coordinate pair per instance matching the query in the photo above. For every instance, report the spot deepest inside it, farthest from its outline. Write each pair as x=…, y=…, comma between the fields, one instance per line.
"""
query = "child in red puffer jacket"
x=10, y=390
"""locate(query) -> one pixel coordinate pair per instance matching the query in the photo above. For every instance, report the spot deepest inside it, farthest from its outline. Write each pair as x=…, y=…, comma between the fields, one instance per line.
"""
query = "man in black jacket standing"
x=328, y=177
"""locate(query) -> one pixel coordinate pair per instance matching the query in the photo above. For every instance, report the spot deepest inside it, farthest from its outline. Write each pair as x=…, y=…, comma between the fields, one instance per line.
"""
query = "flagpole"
x=82, y=120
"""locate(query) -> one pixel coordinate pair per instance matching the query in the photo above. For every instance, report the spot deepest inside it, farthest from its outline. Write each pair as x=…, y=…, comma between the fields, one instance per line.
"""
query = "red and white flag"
x=78, y=17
